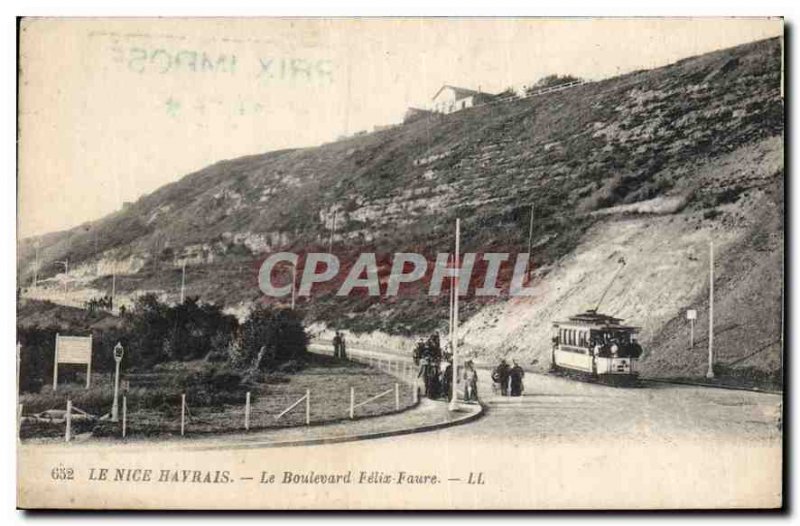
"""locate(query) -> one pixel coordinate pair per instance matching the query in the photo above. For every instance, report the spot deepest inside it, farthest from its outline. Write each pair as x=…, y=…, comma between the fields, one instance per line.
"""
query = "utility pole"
x=450, y=309
x=36, y=267
x=454, y=399
x=333, y=231
x=183, y=280
x=294, y=281
x=113, y=286
x=710, y=373
x=530, y=245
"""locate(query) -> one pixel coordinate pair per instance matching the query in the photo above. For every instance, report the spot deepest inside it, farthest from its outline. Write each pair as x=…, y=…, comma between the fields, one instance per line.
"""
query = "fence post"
x=19, y=420
x=183, y=413
x=308, y=406
x=397, y=396
x=124, y=415
x=247, y=412
x=68, y=433
x=352, y=401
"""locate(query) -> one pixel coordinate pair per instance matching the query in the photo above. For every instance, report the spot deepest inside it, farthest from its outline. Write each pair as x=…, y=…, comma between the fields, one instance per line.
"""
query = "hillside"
x=648, y=165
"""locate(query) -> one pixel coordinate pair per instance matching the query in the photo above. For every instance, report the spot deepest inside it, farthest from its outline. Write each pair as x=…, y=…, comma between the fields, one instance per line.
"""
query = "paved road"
x=565, y=444
x=565, y=410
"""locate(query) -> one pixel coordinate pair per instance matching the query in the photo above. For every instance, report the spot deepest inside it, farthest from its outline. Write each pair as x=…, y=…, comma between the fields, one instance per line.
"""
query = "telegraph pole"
x=454, y=399
x=710, y=373
x=36, y=267
x=333, y=231
x=530, y=245
x=113, y=287
x=183, y=280
x=294, y=281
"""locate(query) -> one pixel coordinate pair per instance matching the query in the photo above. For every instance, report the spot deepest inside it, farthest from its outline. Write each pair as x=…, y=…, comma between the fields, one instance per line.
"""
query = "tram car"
x=597, y=346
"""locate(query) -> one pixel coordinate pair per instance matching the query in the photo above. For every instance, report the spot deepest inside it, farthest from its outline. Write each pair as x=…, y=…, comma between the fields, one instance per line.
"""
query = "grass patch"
x=216, y=398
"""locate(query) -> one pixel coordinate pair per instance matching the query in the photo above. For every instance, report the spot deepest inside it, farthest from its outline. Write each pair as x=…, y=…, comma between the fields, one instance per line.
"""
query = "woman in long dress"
x=470, y=382
x=516, y=374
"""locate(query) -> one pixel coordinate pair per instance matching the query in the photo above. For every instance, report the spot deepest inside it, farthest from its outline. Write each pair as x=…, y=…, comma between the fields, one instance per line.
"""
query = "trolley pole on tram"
x=710, y=373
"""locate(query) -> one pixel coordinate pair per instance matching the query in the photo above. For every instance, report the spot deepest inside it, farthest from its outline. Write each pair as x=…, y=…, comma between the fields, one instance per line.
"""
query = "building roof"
x=461, y=93
x=594, y=318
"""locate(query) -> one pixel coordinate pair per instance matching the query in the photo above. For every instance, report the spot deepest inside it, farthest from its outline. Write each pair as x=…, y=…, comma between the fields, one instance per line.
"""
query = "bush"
x=270, y=336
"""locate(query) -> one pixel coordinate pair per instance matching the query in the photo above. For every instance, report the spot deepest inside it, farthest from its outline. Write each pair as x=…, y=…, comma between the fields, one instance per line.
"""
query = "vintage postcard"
x=403, y=264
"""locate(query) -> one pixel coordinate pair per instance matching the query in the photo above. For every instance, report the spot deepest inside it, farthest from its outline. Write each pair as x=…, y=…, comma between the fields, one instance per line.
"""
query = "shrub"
x=270, y=336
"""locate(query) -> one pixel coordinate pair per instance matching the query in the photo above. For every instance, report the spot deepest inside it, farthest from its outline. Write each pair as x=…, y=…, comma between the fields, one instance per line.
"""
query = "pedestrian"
x=337, y=344
x=343, y=347
x=516, y=374
x=470, y=382
x=500, y=376
x=427, y=373
x=447, y=381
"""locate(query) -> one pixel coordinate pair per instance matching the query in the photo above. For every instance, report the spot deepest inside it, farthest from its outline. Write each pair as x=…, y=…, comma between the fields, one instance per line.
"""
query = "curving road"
x=559, y=409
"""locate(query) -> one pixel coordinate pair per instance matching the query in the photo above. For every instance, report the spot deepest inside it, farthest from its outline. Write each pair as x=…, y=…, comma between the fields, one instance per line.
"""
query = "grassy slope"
x=651, y=134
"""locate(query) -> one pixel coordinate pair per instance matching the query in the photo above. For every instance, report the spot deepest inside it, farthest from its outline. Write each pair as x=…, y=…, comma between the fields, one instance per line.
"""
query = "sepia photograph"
x=451, y=263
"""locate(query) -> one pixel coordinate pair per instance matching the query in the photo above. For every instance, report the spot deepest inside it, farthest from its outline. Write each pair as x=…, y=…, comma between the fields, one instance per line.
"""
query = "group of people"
x=509, y=378
x=436, y=371
x=339, y=346
x=435, y=367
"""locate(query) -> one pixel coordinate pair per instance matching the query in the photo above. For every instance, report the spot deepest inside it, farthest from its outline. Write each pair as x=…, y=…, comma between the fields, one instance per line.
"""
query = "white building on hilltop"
x=452, y=98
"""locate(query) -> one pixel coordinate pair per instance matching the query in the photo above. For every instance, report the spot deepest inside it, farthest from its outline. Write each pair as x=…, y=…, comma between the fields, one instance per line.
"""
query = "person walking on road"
x=470, y=382
x=516, y=374
x=500, y=376
x=342, y=347
x=447, y=381
x=337, y=344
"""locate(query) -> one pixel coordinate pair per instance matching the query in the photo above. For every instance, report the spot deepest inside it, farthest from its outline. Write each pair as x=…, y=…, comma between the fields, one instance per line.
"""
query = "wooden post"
x=308, y=406
x=19, y=420
x=55, y=365
x=691, y=334
x=247, y=412
x=183, y=413
x=397, y=396
x=89, y=365
x=68, y=433
x=124, y=415
x=352, y=402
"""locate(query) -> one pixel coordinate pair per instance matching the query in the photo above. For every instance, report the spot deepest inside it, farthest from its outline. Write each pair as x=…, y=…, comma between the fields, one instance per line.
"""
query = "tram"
x=598, y=346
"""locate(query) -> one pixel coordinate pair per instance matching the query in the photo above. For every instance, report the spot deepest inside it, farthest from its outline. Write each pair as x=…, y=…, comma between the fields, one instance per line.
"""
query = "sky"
x=112, y=109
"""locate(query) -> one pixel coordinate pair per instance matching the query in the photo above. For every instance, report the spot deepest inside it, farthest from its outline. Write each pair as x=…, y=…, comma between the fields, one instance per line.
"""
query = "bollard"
x=124, y=415
x=352, y=402
x=397, y=397
x=68, y=433
x=183, y=413
x=247, y=412
x=308, y=407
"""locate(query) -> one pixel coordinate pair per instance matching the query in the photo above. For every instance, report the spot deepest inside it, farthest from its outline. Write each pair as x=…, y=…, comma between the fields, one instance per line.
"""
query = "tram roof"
x=593, y=318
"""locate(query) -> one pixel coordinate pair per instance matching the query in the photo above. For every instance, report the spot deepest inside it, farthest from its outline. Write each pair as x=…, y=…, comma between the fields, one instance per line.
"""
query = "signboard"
x=691, y=314
x=73, y=350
